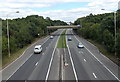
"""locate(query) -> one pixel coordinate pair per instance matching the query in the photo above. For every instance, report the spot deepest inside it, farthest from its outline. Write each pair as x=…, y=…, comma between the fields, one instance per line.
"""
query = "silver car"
x=80, y=45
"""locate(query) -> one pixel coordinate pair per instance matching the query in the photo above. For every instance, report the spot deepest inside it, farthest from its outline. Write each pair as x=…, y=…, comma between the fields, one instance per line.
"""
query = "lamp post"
x=114, y=28
x=8, y=34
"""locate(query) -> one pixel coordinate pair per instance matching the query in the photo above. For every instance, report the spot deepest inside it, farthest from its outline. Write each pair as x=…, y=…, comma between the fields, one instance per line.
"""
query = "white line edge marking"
x=94, y=75
x=51, y=61
x=76, y=78
x=36, y=64
x=100, y=61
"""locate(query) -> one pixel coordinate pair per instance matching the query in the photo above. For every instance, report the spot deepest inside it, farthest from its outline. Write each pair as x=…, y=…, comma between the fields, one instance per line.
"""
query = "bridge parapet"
x=64, y=27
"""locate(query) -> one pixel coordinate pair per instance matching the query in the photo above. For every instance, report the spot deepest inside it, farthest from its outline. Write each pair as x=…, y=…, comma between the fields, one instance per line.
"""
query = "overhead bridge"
x=64, y=27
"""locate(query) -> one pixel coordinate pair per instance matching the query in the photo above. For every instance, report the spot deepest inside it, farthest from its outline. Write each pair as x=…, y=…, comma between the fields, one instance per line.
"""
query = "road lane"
x=92, y=65
x=81, y=64
x=41, y=71
x=80, y=70
x=55, y=67
x=15, y=65
x=54, y=70
x=68, y=68
x=61, y=68
x=100, y=57
x=25, y=70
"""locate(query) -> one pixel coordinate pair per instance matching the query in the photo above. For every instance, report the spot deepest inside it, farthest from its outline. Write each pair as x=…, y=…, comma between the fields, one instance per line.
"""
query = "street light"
x=114, y=27
x=8, y=33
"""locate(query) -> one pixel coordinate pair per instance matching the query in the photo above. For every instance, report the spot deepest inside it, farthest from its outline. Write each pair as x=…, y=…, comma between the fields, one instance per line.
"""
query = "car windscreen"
x=36, y=48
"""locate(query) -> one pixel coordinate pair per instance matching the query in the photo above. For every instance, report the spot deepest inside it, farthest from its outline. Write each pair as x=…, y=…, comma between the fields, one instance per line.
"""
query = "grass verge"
x=62, y=41
x=103, y=50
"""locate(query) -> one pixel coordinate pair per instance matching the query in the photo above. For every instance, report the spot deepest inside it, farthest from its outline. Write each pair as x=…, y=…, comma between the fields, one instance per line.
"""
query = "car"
x=37, y=49
x=51, y=37
x=69, y=39
x=80, y=45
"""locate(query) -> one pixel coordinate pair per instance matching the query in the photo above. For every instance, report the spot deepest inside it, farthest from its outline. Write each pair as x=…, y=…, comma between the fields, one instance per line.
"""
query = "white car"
x=51, y=37
x=69, y=39
x=38, y=49
x=80, y=45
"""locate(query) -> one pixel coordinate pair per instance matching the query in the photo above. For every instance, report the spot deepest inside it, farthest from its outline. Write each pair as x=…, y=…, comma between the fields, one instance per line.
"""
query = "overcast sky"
x=66, y=10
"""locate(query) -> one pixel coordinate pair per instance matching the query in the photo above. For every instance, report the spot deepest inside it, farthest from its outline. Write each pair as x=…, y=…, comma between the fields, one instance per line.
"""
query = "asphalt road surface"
x=89, y=63
x=69, y=63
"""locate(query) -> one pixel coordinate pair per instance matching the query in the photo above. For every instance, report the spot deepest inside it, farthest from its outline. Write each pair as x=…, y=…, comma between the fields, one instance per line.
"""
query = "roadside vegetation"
x=23, y=31
x=99, y=29
x=62, y=40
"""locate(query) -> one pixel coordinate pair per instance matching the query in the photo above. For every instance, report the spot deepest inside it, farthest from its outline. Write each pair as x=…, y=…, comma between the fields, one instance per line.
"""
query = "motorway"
x=89, y=62
x=69, y=63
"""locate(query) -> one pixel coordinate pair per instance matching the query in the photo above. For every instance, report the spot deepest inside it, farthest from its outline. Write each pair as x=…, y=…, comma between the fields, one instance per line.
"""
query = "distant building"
x=119, y=5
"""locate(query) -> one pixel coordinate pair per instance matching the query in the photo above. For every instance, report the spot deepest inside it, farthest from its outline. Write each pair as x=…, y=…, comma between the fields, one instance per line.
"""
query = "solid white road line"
x=76, y=78
x=100, y=61
x=36, y=64
x=94, y=75
x=51, y=61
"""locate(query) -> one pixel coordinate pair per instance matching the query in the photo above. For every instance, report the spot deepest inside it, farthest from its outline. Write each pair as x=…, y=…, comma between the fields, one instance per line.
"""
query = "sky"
x=65, y=10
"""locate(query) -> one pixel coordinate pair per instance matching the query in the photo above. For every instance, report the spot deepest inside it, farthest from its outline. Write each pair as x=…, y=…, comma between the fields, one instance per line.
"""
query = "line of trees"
x=23, y=31
x=100, y=28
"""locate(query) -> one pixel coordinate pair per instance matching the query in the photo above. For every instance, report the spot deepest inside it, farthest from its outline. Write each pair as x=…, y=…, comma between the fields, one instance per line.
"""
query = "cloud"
x=106, y=4
x=22, y=5
x=26, y=8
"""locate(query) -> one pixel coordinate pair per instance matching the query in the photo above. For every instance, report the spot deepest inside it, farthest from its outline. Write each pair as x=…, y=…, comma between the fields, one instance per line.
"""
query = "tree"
x=4, y=46
x=100, y=28
x=23, y=31
x=95, y=31
x=108, y=40
x=118, y=44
